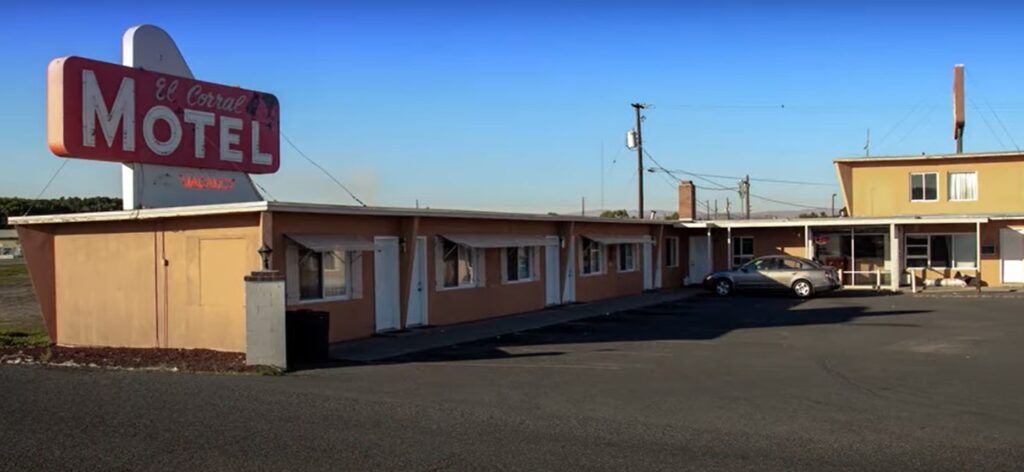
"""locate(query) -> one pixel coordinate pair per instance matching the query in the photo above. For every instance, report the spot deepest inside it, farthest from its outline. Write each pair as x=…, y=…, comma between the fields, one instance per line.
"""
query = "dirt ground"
x=18, y=306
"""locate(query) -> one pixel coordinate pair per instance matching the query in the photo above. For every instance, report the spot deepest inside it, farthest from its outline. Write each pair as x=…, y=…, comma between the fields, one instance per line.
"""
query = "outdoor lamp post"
x=264, y=252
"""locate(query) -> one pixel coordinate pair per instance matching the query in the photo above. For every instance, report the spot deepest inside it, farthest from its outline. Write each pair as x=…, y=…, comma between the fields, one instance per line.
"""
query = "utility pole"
x=583, y=206
x=716, y=209
x=728, y=207
x=867, y=144
x=745, y=195
x=639, y=158
x=833, y=205
x=707, y=208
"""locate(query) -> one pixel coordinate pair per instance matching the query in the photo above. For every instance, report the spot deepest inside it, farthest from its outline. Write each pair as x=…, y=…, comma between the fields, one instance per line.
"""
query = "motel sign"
x=109, y=112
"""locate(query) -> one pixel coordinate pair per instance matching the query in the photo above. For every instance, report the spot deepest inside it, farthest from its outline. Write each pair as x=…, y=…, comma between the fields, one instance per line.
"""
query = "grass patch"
x=16, y=274
x=23, y=338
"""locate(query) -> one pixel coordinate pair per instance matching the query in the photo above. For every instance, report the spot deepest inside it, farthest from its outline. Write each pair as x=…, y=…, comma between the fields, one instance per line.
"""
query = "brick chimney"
x=687, y=200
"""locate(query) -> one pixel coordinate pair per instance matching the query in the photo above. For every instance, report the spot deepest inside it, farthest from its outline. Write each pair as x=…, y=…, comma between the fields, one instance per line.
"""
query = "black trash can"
x=307, y=336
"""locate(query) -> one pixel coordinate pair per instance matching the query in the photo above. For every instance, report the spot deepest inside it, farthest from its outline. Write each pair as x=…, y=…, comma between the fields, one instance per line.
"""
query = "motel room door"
x=1011, y=255
x=698, y=260
x=648, y=266
x=551, y=272
x=386, y=284
x=418, y=292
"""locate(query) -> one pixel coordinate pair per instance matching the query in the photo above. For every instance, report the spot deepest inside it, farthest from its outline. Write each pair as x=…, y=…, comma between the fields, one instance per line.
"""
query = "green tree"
x=615, y=214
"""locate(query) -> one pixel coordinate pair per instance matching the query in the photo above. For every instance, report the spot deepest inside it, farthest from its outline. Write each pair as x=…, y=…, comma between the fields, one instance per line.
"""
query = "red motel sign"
x=102, y=111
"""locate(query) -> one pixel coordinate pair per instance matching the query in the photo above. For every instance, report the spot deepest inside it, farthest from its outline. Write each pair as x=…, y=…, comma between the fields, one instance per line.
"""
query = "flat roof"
x=926, y=157
x=317, y=208
x=817, y=222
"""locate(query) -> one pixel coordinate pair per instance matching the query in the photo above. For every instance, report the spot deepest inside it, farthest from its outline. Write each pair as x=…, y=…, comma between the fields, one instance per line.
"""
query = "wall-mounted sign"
x=108, y=112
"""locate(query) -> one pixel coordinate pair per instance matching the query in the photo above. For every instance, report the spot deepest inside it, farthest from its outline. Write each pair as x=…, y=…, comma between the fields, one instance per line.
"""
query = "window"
x=592, y=254
x=671, y=252
x=519, y=265
x=324, y=274
x=627, y=257
x=459, y=262
x=943, y=251
x=742, y=250
x=963, y=186
x=792, y=264
x=924, y=187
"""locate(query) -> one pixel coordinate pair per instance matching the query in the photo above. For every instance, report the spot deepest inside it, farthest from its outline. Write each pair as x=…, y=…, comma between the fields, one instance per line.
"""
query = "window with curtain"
x=519, y=264
x=963, y=186
x=593, y=257
x=459, y=262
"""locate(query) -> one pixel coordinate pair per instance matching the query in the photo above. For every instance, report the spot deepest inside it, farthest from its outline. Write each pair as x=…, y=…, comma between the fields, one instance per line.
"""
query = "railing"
x=853, y=280
x=913, y=276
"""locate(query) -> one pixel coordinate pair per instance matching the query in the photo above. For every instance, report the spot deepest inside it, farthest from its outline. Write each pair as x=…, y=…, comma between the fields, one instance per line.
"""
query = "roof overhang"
x=314, y=208
x=974, y=155
x=826, y=222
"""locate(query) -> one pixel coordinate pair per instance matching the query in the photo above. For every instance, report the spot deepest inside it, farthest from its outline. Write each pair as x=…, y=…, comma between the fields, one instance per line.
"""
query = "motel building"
x=174, y=277
x=199, y=259
x=912, y=221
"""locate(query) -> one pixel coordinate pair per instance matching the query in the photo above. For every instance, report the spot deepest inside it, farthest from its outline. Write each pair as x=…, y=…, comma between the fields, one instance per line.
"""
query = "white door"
x=385, y=283
x=648, y=267
x=551, y=272
x=418, y=286
x=569, y=289
x=1011, y=255
x=698, y=259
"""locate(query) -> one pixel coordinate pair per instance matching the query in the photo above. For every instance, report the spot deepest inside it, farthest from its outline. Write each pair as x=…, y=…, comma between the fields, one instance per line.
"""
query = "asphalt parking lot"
x=842, y=382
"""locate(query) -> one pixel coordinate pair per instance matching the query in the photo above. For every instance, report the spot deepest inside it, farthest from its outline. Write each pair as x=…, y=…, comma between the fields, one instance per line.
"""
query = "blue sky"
x=473, y=105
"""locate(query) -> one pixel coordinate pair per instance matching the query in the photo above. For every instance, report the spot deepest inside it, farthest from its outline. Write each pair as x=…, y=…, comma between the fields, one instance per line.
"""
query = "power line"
x=975, y=84
x=721, y=187
x=318, y=166
x=48, y=182
x=775, y=181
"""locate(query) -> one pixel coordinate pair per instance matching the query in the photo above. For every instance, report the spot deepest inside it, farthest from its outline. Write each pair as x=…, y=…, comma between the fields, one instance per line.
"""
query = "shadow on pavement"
x=697, y=318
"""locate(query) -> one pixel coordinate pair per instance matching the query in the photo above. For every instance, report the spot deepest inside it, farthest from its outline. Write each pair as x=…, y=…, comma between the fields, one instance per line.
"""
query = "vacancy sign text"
x=108, y=112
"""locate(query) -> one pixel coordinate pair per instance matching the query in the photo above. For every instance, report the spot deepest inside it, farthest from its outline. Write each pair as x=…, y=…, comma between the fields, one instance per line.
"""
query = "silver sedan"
x=801, y=276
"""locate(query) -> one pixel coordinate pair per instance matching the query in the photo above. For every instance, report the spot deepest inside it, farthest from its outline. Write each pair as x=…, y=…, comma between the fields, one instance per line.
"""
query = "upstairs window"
x=963, y=186
x=924, y=187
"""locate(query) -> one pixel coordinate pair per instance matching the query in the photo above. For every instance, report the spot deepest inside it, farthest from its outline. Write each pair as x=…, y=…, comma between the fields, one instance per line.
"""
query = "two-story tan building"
x=910, y=219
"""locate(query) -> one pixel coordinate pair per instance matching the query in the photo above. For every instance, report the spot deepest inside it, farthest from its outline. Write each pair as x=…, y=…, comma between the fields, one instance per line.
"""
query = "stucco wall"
x=767, y=242
x=174, y=283
x=882, y=188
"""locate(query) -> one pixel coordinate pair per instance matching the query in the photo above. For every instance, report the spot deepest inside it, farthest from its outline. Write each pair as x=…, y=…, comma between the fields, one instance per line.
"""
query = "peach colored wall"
x=349, y=319
x=610, y=283
x=767, y=242
x=882, y=188
x=354, y=319
x=37, y=246
x=113, y=288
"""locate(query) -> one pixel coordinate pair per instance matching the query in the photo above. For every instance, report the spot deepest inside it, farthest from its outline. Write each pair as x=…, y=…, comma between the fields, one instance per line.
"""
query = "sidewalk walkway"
x=425, y=339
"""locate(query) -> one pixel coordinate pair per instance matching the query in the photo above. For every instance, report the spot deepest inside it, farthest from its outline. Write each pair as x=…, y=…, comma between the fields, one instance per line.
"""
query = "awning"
x=484, y=241
x=332, y=242
x=606, y=239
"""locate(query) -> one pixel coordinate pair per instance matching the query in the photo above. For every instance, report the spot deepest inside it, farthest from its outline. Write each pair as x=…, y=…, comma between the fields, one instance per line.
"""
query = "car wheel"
x=803, y=288
x=723, y=287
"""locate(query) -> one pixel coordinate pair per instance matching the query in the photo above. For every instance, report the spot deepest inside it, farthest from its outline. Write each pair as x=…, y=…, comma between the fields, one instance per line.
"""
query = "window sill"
x=520, y=281
x=592, y=274
x=460, y=287
x=925, y=201
x=313, y=301
x=959, y=201
x=627, y=271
